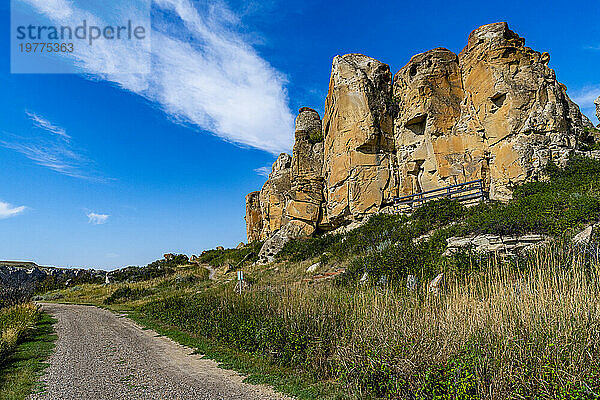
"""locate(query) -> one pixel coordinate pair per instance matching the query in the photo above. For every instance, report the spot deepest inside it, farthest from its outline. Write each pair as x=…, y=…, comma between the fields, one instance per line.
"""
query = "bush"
x=246, y=255
x=156, y=269
x=15, y=323
x=126, y=294
x=13, y=295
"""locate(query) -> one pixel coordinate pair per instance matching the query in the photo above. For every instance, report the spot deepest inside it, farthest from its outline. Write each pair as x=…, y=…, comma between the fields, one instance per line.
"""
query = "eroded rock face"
x=597, y=103
x=253, y=217
x=429, y=93
x=274, y=244
x=512, y=99
x=275, y=195
x=358, y=164
x=306, y=178
x=494, y=112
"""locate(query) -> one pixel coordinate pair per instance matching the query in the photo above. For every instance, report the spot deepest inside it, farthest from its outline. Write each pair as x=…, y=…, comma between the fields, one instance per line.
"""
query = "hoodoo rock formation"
x=493, y=112
x=359, y=139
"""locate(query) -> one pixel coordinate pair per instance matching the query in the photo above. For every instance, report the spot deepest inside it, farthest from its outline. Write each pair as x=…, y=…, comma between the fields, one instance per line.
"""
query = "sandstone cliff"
x=597, y=103
x=493, y=112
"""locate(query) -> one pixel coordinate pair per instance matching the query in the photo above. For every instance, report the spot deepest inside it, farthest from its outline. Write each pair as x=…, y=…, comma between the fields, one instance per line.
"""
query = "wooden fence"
x=462, y=192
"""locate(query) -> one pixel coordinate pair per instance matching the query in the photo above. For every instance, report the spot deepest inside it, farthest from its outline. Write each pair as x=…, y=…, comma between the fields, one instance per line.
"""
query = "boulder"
x=411, y=283
x=220, y=248
x=486, y=243
x=358, y=129
x=274, y=244
x=584, y=236
x=313, y=268
x=435, y=285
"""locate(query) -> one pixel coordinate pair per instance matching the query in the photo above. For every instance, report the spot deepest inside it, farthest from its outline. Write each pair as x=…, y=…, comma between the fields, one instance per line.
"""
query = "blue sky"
x=106, y=170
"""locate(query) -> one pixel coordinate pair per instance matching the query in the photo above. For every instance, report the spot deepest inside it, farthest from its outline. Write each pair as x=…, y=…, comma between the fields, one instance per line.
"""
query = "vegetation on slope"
x=501, y=328
x=233, y=257
x=502, y=333
x=15, y=323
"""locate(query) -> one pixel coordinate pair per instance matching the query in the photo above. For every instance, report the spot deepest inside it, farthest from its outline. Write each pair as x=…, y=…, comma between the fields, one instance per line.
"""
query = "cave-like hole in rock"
x=413, y=70
x=417, y=124
x=498, y=99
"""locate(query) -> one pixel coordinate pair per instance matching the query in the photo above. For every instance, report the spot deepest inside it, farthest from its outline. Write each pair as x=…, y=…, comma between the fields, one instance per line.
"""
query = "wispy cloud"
x=48, y=126
x=97, y=219
x=263, y=171
x=204, y=73
x=52, y=150
x=594, y=48
x=7, y=210
x=585, y=98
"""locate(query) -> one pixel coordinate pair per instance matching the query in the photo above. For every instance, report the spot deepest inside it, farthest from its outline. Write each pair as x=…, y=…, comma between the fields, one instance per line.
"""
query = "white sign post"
x=240, y=276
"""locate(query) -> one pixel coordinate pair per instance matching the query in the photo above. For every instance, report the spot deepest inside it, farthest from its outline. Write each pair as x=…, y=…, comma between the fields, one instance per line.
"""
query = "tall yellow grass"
x=509, y=331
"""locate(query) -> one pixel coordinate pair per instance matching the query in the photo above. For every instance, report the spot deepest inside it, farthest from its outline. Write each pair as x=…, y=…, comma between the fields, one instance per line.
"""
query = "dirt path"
x=102, y=356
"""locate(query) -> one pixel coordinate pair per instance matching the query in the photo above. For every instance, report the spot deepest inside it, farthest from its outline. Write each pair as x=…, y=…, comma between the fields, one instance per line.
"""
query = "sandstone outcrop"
x=494, y=112
x=275, y=195
x=306, y=178
x=429, y=93
x=597, y=103
x=513, y=99
x=254, y=221
x=358, y=126
x=502, y=245
x=294, y=191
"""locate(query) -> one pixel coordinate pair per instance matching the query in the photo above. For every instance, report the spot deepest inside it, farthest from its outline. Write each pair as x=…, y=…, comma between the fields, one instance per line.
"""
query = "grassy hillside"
x=517, y=327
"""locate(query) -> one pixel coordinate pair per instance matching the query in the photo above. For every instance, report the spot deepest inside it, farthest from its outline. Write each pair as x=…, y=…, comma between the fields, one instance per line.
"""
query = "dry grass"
x=15, y=323
x=525, y=331
x=514, y=333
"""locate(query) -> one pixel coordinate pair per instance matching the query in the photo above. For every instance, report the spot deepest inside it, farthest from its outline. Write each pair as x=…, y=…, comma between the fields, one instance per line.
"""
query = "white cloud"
x=48, y=126
x=203, y=72
x=263, y=171
x=97, y=219
x=7, y=210
x=54, y=152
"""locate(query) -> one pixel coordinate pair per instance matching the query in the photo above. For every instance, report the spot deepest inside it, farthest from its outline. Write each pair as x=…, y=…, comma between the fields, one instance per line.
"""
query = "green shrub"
x=440, y=211
x=15, y=323
x=246, y=255
x=156, y=269
x=316, y=136
x=126, y=294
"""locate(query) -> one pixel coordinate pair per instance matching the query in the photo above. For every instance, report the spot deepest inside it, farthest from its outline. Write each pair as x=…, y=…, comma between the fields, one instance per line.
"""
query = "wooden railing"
x=472, y=190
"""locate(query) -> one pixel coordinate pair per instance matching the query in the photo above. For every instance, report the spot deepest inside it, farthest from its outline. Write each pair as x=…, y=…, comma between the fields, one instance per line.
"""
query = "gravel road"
x=103, y=356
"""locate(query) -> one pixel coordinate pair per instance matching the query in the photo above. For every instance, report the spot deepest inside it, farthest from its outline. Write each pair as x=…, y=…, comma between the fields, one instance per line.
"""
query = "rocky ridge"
x=495, y=112
x=28, y=274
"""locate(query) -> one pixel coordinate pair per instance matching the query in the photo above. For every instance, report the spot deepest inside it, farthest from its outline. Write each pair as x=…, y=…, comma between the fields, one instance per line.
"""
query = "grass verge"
x=20, y=373
x=258, y=369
